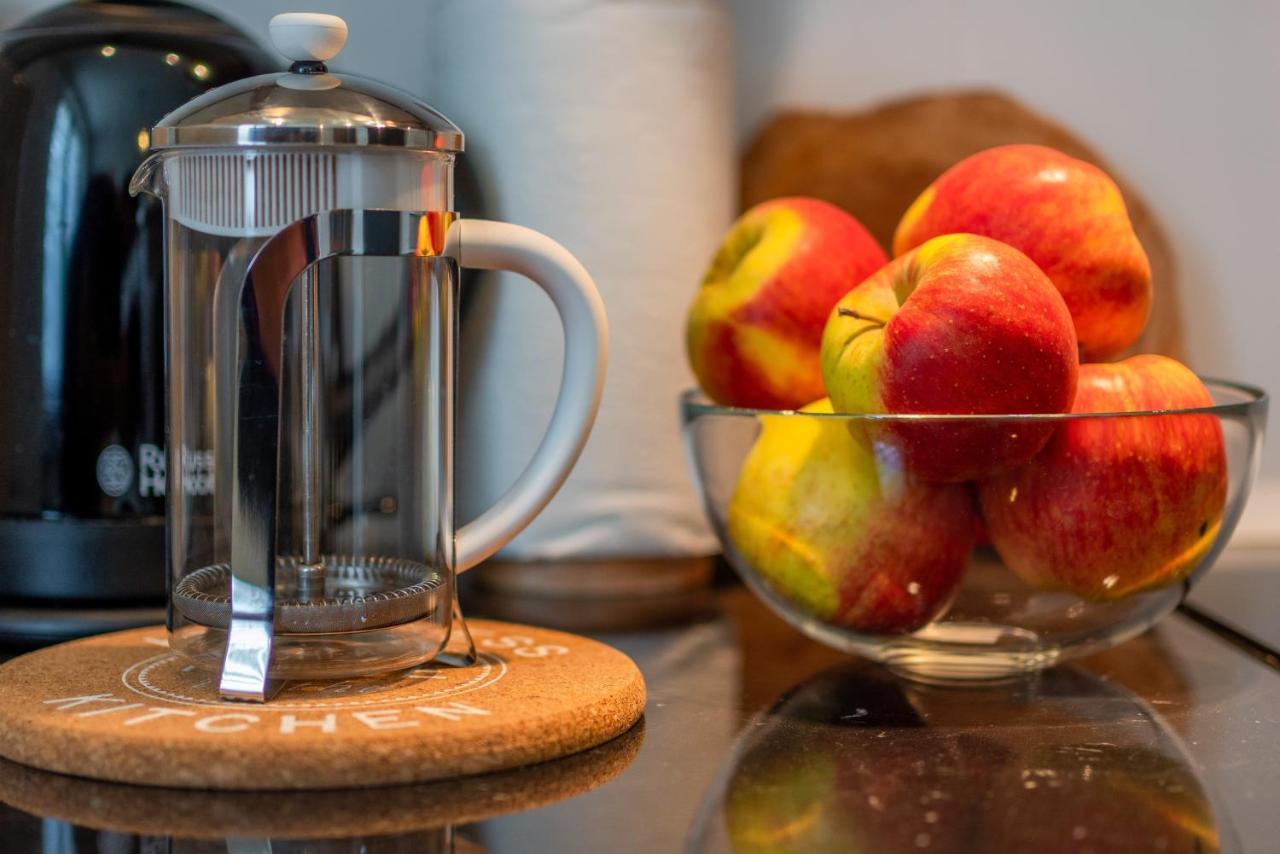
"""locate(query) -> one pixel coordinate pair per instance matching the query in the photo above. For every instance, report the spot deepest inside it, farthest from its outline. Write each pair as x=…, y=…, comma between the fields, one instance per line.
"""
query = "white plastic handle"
x=485, y=245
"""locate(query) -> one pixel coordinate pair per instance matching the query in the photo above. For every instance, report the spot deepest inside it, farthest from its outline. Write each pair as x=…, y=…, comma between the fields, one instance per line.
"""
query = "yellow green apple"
x=847, y=537
x=1066, y=215
x=755, y=327
x=1116, y=505
x=962, y=325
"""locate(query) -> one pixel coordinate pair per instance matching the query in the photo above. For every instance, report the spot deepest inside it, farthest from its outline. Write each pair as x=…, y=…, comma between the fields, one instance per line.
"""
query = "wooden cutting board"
x=874, y=162
x=122, y=707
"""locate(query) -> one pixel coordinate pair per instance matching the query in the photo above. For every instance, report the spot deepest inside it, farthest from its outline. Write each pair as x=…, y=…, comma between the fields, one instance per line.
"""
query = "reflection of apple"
x=853, y=789
x=754, y=330
x=846, y=535
x=1067, y=215
x=855, y=760
x=1116, y=505
x=1099, y=797
x=846, y=764
x=961, y=325
x=782, y=799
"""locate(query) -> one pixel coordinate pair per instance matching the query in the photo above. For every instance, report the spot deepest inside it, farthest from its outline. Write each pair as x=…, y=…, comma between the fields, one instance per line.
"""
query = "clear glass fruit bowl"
x=1100, y=534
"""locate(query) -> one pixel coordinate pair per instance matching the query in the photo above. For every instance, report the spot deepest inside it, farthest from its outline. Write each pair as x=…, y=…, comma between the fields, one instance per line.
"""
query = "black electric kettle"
x=82, y=463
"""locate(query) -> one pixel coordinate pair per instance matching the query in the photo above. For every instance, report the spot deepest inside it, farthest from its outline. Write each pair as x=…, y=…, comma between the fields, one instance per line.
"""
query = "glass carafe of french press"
x=312, y=279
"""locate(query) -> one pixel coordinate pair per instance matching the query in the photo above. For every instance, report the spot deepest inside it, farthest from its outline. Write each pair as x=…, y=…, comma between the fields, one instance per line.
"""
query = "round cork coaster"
x=121, y=707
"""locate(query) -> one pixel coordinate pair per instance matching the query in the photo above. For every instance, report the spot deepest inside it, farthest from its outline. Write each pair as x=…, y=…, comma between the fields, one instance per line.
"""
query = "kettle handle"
x=487, y=245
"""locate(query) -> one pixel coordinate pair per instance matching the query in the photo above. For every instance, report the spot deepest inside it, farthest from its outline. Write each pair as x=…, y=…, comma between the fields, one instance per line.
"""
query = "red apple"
x=1066, y=215
x=1120, y=504
x=961, y=325
x=845, y=536
x=756, y=325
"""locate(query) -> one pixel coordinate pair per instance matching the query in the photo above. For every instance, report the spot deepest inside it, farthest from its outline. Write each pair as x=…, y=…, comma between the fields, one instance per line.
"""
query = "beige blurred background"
x=1181, y=97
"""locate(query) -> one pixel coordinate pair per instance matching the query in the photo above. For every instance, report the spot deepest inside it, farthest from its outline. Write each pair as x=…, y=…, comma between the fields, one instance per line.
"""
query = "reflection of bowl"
x=854, y=760
x=888, y=572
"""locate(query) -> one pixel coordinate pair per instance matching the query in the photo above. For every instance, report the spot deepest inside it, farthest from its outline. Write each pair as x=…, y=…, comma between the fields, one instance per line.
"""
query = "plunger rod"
x=311, y=571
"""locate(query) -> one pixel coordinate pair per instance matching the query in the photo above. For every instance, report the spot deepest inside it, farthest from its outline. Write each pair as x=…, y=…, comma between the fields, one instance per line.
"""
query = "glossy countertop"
x=757, y=739
x=1241, y=594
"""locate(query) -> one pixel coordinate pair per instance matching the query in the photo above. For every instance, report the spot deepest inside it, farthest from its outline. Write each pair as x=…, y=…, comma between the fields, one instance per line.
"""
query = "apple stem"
x=848, y=312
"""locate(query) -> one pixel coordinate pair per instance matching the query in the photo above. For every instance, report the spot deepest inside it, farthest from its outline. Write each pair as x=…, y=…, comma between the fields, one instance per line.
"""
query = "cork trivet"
x=327, y=813
x=121, y=707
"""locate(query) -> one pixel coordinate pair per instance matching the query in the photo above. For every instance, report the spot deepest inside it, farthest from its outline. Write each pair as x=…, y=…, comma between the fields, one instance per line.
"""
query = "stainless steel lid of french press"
x=307, y=105
x=252, y=157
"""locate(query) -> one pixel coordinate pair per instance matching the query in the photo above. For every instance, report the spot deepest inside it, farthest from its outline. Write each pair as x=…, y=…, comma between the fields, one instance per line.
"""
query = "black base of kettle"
x=62, y=579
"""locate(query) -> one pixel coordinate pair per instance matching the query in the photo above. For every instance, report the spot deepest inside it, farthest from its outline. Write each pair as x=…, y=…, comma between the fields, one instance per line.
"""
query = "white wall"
x=387, y=39
x=1181, y=96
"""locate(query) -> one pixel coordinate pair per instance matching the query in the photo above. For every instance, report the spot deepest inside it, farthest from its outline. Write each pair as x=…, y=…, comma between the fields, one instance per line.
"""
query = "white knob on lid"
x=308, y=36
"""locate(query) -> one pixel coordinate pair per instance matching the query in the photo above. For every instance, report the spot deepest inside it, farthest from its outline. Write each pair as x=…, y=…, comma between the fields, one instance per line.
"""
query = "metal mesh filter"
x=360, y=593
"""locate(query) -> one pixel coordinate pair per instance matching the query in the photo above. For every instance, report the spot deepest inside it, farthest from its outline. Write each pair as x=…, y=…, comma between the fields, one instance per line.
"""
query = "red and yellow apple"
x=1066, y=215
x=962, y=325
x=755, y=327
x=846, y=537
x=1116, y=505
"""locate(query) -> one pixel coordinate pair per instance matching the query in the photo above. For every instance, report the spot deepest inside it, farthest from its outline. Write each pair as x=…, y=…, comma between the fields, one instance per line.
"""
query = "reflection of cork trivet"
x=121, y=707
x=150, y=811
x=874, y=163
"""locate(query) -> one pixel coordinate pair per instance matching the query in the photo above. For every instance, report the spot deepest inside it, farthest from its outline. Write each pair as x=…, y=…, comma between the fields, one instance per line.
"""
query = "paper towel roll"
x=606, y=124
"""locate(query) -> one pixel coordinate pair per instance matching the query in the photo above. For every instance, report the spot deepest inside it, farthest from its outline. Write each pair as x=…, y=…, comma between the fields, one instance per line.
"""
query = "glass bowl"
x=1100, y=535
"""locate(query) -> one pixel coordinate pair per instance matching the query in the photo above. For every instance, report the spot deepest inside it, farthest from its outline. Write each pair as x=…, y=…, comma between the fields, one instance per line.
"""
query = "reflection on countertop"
x=855, y=760
x=757, y=739
x=426, y=809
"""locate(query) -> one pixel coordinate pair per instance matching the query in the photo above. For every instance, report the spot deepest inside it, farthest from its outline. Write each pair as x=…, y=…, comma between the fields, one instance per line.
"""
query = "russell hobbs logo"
x=116, y=469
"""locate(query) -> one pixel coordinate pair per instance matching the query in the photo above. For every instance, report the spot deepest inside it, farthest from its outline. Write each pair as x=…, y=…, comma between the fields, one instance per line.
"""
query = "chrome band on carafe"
x=270, y=277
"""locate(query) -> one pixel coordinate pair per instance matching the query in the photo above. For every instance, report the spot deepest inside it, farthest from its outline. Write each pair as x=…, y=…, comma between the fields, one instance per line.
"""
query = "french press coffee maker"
x=312, y=292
